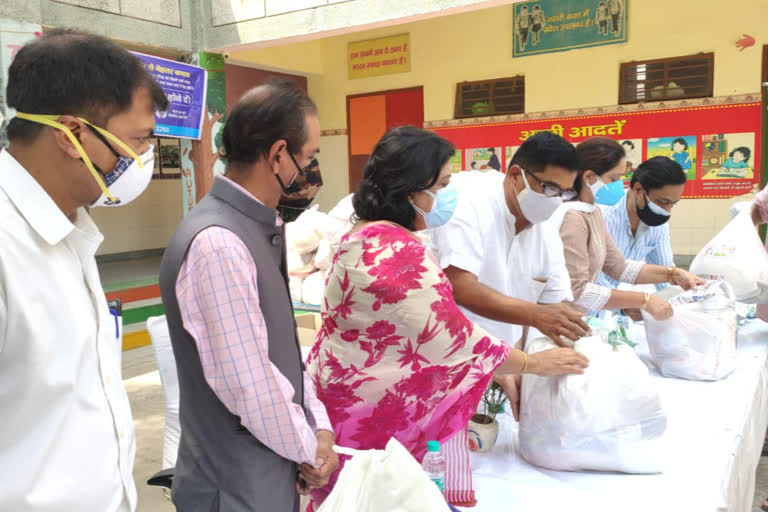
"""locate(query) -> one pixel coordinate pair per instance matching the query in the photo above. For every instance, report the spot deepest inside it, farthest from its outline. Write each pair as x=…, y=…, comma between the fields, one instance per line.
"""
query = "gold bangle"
x=671, y=277
x=525, y=362
x=646, y=300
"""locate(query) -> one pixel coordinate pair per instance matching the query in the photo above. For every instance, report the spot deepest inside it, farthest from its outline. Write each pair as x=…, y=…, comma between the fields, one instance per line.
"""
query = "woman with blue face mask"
x=590, y=249
x=395, y=356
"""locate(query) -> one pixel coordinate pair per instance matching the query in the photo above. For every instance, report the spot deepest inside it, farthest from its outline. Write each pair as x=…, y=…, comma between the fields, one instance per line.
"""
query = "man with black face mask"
x=253, y=432
x=638, y=221
x=301, y=193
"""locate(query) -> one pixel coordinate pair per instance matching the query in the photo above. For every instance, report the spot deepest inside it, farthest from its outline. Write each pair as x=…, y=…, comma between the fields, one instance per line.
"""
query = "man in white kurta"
x=481, y=238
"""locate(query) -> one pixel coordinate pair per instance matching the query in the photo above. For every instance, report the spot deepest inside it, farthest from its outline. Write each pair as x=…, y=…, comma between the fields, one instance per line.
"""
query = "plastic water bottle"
x=434, y=464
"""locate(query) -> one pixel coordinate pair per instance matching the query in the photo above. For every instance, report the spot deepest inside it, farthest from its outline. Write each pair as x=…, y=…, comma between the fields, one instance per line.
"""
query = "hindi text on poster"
x=382, y=56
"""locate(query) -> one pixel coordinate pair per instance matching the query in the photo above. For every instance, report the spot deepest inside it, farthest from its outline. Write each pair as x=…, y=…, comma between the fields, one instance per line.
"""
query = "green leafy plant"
x=493, y=402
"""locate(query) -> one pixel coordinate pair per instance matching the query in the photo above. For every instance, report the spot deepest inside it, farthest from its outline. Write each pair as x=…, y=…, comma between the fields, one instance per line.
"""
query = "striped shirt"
x=218, y=296
x=651, y=244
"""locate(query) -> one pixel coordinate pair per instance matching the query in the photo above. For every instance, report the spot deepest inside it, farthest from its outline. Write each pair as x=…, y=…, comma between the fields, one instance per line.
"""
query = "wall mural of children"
x=737, y=164
x=539, y=20
x=524, y=22
x=601, y=18
x=680, y=153
x=738, y=158
x=615, y=7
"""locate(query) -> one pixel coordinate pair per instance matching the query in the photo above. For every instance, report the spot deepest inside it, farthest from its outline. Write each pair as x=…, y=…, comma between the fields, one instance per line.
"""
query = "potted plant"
x=483, y=427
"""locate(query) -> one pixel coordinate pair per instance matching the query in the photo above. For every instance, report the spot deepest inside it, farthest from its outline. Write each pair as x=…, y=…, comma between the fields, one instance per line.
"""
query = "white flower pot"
x=483, y=432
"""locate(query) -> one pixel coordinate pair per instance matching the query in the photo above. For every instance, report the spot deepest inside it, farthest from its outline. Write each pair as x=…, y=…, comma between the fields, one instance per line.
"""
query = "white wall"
x=146, y=223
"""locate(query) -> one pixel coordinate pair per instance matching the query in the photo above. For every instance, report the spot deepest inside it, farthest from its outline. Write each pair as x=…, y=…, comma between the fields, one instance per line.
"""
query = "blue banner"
x=185, y=87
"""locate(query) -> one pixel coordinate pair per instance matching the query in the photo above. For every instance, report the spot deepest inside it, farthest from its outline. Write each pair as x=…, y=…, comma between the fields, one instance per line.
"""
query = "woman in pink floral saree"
x=395, y=357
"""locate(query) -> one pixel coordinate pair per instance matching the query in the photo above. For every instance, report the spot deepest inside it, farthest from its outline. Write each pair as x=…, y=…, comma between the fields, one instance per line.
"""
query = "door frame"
x=349, y=124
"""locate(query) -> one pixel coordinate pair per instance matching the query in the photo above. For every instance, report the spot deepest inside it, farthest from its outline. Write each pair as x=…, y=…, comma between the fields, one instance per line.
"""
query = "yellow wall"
x=478, y=45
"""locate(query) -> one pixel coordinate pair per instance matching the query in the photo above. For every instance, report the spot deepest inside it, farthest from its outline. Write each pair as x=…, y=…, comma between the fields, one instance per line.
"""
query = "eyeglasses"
x=553, y=190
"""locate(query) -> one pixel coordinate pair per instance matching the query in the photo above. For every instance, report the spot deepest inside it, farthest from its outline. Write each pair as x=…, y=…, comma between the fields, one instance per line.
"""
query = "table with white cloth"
x=714, y=438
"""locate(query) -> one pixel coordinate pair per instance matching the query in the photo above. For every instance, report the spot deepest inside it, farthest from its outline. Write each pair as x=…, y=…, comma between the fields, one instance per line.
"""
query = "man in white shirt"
x=85, y=114
x=505, y=263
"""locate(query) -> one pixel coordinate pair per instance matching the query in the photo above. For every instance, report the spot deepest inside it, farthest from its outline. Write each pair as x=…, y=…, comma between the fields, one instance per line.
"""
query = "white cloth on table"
x=715, y=435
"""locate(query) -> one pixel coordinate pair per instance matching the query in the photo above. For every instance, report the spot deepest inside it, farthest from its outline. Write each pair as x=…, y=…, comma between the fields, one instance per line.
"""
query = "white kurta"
x=66, y=435
x=480, y=238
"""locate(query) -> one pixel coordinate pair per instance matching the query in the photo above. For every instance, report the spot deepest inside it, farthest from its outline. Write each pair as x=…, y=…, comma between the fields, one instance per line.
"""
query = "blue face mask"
x=443, y=206
x=611, y=193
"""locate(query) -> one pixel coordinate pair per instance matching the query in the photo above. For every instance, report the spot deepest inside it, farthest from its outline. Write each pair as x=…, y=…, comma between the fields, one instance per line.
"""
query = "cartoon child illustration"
x=473, y=165
x=524, y=21
x=539, y=21
x=629, y=151
x=615, y=7
x=601, y=18
x=680, y=153
x=738, y=158
x=494, y=162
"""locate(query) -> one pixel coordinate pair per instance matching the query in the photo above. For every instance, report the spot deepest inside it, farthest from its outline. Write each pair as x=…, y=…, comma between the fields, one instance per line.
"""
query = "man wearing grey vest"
x=253, y=433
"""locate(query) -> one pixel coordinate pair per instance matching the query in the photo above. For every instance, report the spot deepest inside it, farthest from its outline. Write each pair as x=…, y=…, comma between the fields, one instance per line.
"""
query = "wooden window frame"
x=710, y=56
x=458, y=114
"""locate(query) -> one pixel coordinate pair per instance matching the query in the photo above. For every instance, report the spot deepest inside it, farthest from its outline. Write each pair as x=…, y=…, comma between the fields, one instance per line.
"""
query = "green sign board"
x=545, y=26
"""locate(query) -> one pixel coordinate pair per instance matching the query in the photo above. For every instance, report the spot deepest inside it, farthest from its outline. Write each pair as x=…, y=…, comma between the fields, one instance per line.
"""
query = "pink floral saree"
x=396, y=357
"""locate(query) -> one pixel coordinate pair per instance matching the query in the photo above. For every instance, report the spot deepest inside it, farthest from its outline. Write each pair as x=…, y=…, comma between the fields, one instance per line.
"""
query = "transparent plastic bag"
x=699, y=341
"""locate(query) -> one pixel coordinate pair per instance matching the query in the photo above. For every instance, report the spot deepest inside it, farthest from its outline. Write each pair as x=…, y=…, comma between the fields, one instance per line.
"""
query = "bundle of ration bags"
x=608, y=419
x=699, y=341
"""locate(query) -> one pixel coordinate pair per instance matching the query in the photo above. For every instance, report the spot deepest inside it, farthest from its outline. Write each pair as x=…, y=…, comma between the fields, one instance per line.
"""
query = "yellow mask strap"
x=51, y=120
x=114, y=139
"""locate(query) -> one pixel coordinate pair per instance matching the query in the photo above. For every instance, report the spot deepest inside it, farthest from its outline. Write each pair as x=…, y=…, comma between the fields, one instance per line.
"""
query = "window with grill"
x=490, y=97
x=666, y=79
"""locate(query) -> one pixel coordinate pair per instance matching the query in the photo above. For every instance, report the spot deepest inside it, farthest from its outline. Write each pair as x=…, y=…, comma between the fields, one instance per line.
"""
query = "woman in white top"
x=589, y=248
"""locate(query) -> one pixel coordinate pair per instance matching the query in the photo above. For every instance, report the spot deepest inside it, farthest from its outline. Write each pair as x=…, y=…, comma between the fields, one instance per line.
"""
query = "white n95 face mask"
x=536, y=207
x=128, y=180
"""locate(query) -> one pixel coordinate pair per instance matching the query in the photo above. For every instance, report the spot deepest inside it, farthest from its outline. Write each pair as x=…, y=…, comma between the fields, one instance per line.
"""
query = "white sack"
x=737, y=255
x=608, y=419
x=699, y=341
x=295, y=284
x=313, y=289
x=388, y=480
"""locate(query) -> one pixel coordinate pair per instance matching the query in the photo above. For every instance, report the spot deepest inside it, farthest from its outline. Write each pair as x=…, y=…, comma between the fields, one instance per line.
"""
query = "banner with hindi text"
x=718, y=145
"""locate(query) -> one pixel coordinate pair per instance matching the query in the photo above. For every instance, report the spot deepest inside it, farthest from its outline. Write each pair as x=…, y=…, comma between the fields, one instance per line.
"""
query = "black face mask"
x=648, y=216
x=308, y=177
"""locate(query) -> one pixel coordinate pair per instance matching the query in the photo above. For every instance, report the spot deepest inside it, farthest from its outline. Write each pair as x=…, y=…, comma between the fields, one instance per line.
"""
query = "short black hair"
x=744, y=150
x=67, y=72
x=628, y=143
x=658, y=172
x=473, y=164
x=265, y=114
x=599, y=155
x=680, y=140
x=405, y=160
x=543, y=149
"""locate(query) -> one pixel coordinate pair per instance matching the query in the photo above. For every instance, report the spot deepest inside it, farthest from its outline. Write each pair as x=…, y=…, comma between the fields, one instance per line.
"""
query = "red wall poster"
x=717, y=145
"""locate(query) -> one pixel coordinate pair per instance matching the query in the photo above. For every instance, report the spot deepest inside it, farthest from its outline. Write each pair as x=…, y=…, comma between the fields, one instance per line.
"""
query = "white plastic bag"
x=699, y=341
x=388, y=480
x=737, y=255
x=303, y=235
x=608, y=419
x=313, y=289
x=295, y=285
